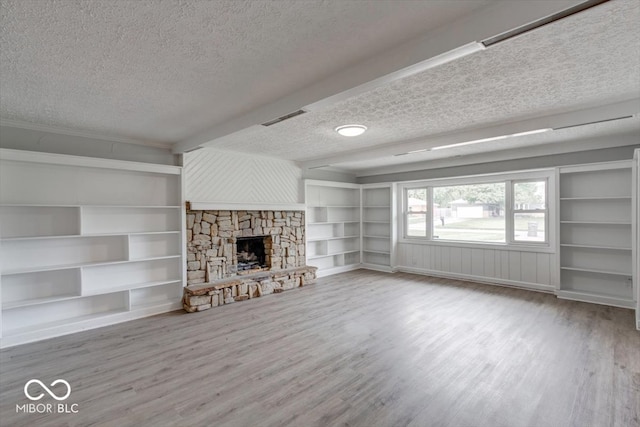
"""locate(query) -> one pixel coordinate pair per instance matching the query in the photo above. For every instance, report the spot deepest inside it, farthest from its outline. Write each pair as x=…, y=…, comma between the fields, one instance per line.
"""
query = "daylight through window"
x=510, y=211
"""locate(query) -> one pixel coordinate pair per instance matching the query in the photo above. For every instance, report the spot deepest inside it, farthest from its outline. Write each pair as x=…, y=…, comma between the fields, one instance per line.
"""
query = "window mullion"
x=430, y=213
x=509, y=216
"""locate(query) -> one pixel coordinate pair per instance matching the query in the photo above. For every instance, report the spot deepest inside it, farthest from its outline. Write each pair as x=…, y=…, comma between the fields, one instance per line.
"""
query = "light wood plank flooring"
x=355, y=349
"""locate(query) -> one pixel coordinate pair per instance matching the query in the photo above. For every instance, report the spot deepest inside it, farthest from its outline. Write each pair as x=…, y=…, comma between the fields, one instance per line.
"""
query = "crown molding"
x=80, y=133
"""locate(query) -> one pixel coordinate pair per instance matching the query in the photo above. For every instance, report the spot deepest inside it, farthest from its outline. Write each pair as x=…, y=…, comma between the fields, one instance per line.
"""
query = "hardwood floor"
x=355, y=349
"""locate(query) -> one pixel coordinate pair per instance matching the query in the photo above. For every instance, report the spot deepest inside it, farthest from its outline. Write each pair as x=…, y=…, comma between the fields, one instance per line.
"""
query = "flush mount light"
x=351, y=130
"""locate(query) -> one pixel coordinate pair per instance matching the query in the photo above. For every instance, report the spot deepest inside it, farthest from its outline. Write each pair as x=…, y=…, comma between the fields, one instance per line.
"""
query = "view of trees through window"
x=478, y=212
x=529, y=211
x=470, y=212
x=417, y=219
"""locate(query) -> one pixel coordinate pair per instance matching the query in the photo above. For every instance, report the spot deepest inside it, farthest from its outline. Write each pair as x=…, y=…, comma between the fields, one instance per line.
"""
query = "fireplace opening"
x=251, y=253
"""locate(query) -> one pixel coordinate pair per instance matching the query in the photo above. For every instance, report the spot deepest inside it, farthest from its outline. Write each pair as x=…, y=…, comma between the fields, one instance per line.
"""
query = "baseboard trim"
x=73, y=327
x=480, y=279
x=337, y=270
x=381, y=268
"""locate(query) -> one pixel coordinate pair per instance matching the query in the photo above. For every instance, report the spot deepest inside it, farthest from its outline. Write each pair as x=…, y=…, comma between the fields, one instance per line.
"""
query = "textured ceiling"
x=166, y=70
x=573, y=135
x=588, y=59
x=162, y=70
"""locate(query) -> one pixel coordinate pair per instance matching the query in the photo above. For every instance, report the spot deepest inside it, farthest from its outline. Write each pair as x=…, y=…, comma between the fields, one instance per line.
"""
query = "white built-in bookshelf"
x=596, y=251
x=377, y=219
x=86, y=242
x=333, y=226
x=636, y=234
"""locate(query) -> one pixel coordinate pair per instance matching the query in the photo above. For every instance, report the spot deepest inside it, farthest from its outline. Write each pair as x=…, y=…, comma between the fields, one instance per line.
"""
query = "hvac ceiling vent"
x=283, y=118
x=540, y=22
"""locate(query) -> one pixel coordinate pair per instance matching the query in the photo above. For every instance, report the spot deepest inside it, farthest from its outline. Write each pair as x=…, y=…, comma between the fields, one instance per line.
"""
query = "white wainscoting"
x=532, y=270
x=224, y=177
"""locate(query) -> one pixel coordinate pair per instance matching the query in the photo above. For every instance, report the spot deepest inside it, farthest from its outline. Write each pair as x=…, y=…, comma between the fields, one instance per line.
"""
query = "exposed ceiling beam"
x=600, y=113
x=594, y=143
x=487, y=22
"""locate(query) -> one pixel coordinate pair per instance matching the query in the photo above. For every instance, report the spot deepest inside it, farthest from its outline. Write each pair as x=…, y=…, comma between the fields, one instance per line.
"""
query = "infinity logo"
x=52, y=394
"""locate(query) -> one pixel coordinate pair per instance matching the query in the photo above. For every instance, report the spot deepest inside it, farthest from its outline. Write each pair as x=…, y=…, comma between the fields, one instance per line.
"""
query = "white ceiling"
x=163, y=70
x=208, y=73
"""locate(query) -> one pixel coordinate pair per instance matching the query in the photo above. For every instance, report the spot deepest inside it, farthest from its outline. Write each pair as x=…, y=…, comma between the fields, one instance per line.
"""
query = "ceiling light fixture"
x=493, y=138
x=351, y=130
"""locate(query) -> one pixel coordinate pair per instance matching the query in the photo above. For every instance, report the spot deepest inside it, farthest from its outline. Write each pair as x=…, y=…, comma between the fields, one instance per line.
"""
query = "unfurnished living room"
x=304, y=213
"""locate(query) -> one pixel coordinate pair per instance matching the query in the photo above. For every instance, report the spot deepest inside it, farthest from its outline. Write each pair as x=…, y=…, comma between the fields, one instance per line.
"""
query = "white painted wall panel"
x=477, y=262
x=528, y=267
x=220, y=176
x=514, y=266
x=504, y=265
x=509, y=267
x=489, y=262
x=543, y=269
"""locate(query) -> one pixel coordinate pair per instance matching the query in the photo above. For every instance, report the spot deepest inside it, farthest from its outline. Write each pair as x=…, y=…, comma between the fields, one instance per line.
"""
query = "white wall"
x=510, y=267
x=220, y=176
x=329, y=175
x=48, y=142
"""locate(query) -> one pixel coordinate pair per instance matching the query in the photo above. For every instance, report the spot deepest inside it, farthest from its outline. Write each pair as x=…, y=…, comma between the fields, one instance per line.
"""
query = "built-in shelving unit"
x=333, y=226
x=596, y=252
x=86, y=242
x=636, y=232
x=377, y=219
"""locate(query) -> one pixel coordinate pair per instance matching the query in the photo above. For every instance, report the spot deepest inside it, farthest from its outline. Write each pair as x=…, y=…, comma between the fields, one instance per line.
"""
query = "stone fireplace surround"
x=212, y=276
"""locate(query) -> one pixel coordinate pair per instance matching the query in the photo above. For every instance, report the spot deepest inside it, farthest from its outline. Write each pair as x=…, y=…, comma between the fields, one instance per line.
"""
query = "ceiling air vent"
x=283, y=118
x=540, y=22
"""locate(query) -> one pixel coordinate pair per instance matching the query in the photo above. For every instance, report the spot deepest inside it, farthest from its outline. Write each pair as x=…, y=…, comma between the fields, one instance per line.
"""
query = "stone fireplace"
x=235, y=255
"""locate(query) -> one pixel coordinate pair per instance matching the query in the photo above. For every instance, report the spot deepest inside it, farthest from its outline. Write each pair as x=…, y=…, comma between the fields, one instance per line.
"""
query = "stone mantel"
x=217, y=206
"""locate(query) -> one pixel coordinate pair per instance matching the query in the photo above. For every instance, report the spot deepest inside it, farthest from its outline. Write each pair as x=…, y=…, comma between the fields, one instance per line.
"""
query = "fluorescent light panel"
x=493, y=138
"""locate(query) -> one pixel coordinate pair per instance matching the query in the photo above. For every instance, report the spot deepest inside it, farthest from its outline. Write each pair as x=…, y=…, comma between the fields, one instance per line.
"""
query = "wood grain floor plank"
x=356, y=349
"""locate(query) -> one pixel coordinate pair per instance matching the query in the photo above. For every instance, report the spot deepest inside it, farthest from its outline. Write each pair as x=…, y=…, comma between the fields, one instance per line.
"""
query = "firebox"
x=253, y=253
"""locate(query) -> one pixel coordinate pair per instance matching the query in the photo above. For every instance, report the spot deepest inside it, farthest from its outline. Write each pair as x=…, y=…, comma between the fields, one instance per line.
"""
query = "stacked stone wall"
x=212, y=236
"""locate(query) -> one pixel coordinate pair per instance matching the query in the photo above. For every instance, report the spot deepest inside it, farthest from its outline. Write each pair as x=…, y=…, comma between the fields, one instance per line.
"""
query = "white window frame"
x=405, y=212
x=511, y=238
x=509, y=179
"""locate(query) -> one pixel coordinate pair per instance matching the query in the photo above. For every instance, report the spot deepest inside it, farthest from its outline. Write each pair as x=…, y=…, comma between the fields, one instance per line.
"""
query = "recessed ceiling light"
x=351, y=130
